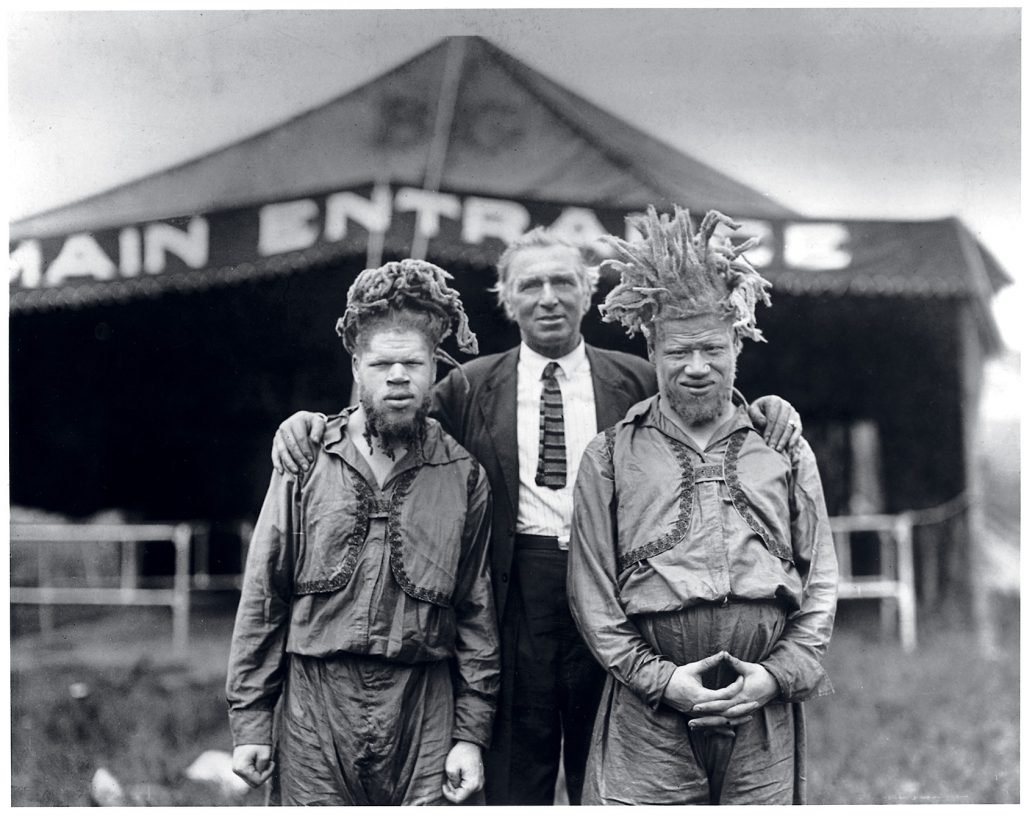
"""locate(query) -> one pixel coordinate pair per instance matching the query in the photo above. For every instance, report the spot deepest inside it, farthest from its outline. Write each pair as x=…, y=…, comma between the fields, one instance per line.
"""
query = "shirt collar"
x=647, y=413
x=572, y=363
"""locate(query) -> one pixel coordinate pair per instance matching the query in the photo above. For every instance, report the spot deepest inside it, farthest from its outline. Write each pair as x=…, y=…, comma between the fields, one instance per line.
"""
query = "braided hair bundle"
x=411, y=284
x=672, y=272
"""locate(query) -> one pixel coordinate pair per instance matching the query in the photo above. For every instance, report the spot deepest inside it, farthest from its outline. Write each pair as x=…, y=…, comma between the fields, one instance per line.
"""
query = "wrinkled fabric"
x=641, y=755
x=362, y=731
x=733, y=541
x=372, y=599
x=650, y=535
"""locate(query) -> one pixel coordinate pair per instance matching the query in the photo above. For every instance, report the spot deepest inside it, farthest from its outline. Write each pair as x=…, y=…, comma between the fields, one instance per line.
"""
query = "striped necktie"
x=551, y=463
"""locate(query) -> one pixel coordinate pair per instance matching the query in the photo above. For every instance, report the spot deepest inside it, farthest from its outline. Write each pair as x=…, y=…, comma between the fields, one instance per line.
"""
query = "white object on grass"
x=215, y=767
x=106, y=791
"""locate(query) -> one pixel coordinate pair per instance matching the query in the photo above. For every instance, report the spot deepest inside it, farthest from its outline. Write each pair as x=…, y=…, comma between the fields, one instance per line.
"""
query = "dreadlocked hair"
x=399, y=290
x=673, y=273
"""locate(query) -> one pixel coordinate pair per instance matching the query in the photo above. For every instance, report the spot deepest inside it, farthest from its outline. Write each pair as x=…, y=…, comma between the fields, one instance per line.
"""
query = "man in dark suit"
x=527, y=415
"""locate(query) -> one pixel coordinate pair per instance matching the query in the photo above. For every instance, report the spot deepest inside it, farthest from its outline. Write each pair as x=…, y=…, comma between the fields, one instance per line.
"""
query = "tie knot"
x=551, y=370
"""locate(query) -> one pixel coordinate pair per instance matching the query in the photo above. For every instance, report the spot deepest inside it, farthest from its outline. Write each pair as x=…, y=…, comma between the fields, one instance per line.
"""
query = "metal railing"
x=127, y=536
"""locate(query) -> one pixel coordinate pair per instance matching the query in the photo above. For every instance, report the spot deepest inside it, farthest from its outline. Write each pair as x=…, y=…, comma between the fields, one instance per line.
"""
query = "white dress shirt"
x=543, y=510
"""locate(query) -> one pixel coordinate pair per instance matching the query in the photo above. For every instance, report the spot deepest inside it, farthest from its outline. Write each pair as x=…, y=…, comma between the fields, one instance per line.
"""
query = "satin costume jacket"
x=307, y=544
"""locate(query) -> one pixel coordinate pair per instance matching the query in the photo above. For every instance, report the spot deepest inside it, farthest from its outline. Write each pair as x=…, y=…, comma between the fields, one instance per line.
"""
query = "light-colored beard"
x=698, y=411
x=394, y=434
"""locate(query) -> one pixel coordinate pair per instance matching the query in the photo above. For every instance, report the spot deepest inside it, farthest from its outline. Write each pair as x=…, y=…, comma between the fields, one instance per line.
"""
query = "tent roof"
x=466, y=118
x=463, y=115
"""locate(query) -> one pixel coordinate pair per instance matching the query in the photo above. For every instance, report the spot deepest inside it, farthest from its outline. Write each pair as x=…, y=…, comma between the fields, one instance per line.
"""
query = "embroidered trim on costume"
x=379, y=508
x=742, y=503
x=394, y=538
x=674, y=535
x=365, y=502
x=609, y=444
x=471, y=480
x=708, y=472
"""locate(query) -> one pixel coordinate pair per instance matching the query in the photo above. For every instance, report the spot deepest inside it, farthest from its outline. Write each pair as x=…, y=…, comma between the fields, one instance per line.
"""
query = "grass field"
x=941, y=725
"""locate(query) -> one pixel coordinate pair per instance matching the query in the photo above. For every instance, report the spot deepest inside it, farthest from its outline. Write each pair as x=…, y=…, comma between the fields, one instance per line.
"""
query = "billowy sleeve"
x=476, y=638
x=256, y=666
x=795, y=661
x=593, y=585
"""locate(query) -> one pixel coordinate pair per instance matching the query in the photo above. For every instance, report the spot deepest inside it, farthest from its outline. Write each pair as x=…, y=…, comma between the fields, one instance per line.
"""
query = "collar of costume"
x=438, y=448
x=647, y=413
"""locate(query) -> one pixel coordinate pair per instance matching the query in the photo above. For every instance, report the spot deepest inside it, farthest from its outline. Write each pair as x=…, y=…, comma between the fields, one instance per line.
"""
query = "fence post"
x=46, y=614
x=182, y=542
x=129, y=567
x=904, y=531
x=201, y=549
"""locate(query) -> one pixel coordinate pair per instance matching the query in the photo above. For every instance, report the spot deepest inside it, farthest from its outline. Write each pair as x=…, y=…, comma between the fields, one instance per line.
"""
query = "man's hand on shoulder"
x=295, y=441
x=252, y=763
x=463, y=772
x=777, y=420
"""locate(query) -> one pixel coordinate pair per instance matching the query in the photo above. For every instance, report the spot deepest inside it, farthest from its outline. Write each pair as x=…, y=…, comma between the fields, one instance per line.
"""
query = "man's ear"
x=355, y=368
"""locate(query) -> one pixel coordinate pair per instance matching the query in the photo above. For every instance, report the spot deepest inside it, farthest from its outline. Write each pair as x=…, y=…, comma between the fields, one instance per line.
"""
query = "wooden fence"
x=127, y=592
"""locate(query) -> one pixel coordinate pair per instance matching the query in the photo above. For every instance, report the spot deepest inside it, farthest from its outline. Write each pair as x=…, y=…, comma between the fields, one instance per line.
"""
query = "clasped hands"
x=720, y=708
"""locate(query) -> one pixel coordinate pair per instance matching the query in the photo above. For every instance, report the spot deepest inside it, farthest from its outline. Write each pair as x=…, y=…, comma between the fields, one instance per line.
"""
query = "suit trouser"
x=550, y=686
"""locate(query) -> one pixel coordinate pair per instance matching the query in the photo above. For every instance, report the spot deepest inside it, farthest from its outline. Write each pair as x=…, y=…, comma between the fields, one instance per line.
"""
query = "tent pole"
x=975, y=331
x=972, y=363
x=375, y=238
x=443, y=119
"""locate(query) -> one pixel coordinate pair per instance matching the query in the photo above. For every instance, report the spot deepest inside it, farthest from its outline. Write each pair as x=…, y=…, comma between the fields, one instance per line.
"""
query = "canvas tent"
x=160, y=330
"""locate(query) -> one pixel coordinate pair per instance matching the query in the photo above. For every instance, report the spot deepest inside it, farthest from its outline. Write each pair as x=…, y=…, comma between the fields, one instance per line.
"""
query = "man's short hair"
x=540, y=237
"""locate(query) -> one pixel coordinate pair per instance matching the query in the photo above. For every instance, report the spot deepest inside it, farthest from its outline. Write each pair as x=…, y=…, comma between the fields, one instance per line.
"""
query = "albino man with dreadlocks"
x=702, y=572
x=367, y=616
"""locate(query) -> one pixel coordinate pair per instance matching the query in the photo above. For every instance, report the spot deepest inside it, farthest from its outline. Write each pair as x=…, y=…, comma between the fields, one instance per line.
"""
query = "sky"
x=857, y=113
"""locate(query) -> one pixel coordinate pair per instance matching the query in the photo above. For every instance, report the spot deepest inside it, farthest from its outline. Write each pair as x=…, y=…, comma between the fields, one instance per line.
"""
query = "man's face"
x=394, y=370
x=547, y=298
x=695, y=360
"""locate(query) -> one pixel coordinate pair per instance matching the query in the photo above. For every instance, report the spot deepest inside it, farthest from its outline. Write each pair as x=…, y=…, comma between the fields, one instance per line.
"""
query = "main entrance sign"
x=350, y=221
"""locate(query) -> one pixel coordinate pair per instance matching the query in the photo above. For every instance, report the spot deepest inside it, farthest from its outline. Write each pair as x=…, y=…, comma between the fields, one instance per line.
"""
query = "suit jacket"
x=477, y=406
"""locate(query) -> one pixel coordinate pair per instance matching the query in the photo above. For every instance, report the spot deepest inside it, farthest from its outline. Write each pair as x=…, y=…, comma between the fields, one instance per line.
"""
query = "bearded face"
x=394, y=370
x=393, y=432
x=695, y=360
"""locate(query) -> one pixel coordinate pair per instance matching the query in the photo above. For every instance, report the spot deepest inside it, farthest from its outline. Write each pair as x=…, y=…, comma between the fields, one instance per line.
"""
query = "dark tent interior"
x=194, y=384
